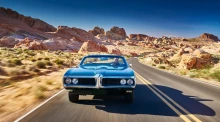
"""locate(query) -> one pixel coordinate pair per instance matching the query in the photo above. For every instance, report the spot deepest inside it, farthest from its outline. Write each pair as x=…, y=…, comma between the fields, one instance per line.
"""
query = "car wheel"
x=73, y=97
x=129, y=97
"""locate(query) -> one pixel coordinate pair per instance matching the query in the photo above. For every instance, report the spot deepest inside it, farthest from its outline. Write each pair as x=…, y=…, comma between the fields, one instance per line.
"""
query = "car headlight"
x=130, y=81
x=75, y=81
x=68, y=80
x=123, y=81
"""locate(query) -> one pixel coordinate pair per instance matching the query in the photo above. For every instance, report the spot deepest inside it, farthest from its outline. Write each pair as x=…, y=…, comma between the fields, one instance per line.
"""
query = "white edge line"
x=19, y=119
x=195, y=80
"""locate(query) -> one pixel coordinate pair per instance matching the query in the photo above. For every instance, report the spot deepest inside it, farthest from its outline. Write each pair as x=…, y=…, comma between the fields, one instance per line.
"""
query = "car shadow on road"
x=146, y=102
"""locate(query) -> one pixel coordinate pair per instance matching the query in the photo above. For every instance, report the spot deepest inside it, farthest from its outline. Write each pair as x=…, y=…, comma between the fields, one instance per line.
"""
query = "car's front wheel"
x=129, y=97
x=73, y=97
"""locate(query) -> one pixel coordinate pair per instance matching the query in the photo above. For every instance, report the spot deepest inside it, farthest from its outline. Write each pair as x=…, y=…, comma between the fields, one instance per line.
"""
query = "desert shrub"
x=33, y=60
x=29, y=52
x=49, y=82
x=49, y=63
x=39, y=91
x=161, y=67
x=200, y=73
x=216, y=75
x=41, y=64
x=59, y=62
x=182, y=71
x=16, y=62
x=46, y=58
x=39, y=58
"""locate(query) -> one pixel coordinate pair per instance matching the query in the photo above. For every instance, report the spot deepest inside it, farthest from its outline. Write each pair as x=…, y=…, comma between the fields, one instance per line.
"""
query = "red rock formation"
x=116, y=52
x=209, y=36
x=91, y=46
x=33, y=23
x=97, y=30
x=198, y=59
x=138, y=37
x=73, y=33
x=120, y=44
x=8, y=42
x=133, y=54
x=116, y=33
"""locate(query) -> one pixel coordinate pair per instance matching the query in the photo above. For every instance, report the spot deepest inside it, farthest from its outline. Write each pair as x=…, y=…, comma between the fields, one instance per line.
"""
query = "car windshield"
x=103, y=62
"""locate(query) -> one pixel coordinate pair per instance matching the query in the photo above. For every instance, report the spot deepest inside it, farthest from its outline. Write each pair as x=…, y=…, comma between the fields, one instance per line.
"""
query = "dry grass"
x=27, y=77
x=21, y=96
x=208, y=73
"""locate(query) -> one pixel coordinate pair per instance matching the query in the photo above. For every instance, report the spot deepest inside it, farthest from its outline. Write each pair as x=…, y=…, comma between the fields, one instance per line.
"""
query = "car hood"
x=104, y=72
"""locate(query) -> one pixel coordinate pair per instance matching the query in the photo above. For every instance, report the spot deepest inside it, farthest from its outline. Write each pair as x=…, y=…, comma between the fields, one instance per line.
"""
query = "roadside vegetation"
x=29, y=76
x=210, y=72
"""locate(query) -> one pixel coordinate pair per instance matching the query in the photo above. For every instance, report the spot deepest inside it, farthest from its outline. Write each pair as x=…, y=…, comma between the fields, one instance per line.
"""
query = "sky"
x=180, y=18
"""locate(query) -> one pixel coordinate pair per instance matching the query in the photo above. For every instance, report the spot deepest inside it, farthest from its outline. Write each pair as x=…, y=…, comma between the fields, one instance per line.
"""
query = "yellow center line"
x=171, y=100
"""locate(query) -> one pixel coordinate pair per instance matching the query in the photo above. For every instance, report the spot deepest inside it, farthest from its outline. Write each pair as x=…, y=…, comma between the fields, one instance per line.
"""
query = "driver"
x=116, y=62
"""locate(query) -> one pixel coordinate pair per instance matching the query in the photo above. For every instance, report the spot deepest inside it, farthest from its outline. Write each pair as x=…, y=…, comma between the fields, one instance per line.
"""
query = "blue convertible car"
x=100, y=75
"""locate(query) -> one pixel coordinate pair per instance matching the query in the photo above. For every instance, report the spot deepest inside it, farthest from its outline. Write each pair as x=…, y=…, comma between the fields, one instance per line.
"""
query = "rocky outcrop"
x=31, y=22
x=116, y=52
x=97, y=30
x=8, y=42
x=76, y=34
x=185, y=50
x=120, y=43
x=133, y=54
x=196, y=60
x=138, y=37
x=31, y=44
x=164, y=41
x=102, y=37
x=209, y=36
x=92, y=46
x=116, y=33
x=53, y=44
x=150, y=39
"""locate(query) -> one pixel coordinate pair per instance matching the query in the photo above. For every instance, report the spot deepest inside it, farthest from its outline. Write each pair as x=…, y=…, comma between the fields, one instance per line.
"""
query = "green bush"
x=46, y=58
x=36, y=70
x=33, y=60
x=41, y=64
x=216, y=75
x=162, y=67
x=39, y=58
x=49, y=63
x=59, y=62
x=16, y=61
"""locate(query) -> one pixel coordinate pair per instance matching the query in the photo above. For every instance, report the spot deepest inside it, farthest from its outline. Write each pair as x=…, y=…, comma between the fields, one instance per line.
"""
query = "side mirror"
x=130, y=65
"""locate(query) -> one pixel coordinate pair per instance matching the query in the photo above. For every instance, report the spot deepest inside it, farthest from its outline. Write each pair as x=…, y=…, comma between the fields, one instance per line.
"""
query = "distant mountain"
x=209, y=36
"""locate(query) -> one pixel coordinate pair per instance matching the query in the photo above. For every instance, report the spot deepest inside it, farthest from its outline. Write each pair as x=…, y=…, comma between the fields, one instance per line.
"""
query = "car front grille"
x=87, y=81
x=111, y=81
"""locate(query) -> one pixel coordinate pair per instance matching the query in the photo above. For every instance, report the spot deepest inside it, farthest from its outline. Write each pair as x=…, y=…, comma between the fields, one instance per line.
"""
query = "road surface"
x=159, y=97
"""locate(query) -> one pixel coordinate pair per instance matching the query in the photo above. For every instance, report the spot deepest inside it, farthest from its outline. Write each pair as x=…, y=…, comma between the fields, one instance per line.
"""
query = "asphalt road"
x=159, y=97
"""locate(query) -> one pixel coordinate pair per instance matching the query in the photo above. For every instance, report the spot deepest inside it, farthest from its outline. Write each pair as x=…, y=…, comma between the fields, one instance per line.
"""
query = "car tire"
x=73, y=97
x=129, y=97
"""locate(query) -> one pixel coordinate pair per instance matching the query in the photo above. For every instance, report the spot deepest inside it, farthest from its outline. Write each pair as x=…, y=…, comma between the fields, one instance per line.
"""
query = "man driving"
x=116, y=61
